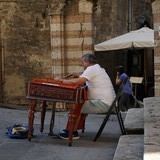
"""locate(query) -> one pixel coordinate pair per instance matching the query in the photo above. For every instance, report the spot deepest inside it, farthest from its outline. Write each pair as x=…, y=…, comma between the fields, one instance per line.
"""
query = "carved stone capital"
x=57, y=7
x=156, y=6
x=85, y=6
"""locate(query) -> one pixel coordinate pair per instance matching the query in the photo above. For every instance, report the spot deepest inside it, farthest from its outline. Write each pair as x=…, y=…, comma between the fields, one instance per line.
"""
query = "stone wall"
x=156, y=13
x=111, y=19
x=25, y=41
x=48, y=38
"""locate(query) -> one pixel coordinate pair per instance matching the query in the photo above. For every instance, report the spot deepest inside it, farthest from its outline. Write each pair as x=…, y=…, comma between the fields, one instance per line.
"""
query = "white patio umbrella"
x=142, y=38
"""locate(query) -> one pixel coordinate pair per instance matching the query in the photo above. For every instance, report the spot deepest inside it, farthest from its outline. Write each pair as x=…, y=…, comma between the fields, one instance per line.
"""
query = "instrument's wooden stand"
x=55, y=93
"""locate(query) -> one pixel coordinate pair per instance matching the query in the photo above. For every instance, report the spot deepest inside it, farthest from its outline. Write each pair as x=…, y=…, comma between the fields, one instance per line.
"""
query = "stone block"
x=134, y=121
x=152, y=128
x=130, y=147
x=85, y=6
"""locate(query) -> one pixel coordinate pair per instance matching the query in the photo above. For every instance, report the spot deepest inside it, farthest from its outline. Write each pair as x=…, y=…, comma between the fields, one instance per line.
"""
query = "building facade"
x=49, y=37
x=156, y=19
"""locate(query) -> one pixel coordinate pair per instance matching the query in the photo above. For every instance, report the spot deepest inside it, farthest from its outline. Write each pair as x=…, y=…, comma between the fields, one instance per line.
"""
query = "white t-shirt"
x=99, y=84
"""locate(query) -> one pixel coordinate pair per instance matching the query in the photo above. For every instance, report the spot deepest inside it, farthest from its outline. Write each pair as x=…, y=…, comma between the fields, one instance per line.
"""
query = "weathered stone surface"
x=85, y=6
x=150, y=152
x=152, y=128
x=25, y=37
x=156, y=6
x=130, y=147
x=134, y=121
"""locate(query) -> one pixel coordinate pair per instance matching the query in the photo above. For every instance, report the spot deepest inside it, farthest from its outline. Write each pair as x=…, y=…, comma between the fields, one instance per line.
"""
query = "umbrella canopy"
x=142, y=38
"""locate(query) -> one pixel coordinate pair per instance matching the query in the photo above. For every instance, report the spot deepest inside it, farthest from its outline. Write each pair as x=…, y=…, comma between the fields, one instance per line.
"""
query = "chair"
x=111, y=109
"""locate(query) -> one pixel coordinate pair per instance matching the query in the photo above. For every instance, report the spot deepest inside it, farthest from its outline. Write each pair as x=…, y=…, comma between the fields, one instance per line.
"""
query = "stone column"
x=156, y=16
x=57, y=38
x=71, y=35
x=86, y=10
x=56, y=13
x=78, y=34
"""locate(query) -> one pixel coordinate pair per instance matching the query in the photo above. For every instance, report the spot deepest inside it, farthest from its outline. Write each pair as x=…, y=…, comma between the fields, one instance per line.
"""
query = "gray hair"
x=90, y=57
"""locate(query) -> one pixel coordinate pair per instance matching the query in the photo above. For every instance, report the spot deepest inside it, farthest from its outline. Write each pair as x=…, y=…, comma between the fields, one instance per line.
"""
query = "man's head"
x=88, y=60
x=120, y=69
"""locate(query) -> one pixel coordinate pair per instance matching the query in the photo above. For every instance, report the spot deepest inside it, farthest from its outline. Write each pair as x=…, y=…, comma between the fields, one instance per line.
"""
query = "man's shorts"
x=94, y=106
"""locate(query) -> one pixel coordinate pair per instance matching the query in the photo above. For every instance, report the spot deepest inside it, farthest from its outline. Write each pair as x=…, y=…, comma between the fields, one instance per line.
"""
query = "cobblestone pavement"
x=43, y=147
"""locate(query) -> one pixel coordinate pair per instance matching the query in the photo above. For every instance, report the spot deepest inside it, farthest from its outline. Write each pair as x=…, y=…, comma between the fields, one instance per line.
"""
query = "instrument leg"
x=82, y=122
x=78, y=117
x=31, y=111
x=52, y=120
x=75, y=120
x=72, y=122
x=43, y=113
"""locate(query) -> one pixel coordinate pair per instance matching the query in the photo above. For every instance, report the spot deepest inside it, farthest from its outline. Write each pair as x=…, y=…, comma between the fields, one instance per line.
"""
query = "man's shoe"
x=65, y=131
x=66, y=135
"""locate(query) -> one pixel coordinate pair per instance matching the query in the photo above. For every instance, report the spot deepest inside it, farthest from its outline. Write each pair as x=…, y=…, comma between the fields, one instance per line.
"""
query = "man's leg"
x=94, y=106
x=80, y=113
x=77, y=117
x=73, y=124
x=124, y=102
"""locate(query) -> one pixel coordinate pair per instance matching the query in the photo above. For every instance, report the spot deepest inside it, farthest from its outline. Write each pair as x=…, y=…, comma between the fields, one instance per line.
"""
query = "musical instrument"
x=46, y=89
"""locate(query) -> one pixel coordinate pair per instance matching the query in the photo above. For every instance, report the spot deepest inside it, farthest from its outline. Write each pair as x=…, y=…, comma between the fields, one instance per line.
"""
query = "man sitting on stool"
x=100, y=91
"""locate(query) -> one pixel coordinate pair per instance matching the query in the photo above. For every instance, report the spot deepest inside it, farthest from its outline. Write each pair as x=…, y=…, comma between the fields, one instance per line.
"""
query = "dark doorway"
x=141, y=64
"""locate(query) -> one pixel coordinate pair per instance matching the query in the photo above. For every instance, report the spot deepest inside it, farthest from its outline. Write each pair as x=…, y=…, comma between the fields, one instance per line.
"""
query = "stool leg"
x=102, y=127
x=120, y=120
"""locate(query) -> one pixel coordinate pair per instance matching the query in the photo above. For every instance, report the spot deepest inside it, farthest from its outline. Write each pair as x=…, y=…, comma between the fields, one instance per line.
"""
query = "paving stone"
x=43, y=147
x=130, y=147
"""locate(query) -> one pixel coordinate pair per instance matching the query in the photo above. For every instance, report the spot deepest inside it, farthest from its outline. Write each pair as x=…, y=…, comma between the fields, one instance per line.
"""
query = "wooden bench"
x=134, y=121
x=130, y=147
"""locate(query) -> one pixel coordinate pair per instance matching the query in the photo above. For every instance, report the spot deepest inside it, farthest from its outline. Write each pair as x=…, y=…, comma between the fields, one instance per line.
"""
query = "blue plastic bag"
x=18, y=131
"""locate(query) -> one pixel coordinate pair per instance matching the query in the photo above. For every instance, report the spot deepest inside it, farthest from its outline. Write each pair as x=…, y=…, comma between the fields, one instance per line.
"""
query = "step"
x=152, y=128
x=134, y=121
x=130, y=147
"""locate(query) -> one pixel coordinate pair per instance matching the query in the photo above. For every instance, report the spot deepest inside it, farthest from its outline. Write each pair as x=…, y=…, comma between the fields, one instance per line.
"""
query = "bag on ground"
x=17, y=131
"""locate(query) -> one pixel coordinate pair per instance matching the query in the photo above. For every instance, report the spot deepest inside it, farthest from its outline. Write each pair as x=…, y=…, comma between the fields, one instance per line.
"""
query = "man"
x=124, y=100
x=100, y=91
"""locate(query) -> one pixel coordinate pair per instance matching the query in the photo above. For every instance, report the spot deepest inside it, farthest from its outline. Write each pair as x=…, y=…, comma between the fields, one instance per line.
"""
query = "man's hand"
x=118, y=74
x=58, y=79
x=73, y=75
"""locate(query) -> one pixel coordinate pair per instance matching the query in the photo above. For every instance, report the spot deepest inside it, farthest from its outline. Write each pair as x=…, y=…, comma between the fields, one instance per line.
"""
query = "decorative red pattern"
x=51, y=81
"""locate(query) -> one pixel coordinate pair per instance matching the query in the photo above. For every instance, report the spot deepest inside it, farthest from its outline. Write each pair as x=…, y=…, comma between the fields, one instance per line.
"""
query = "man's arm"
x=73, y=75
x=77, y=81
